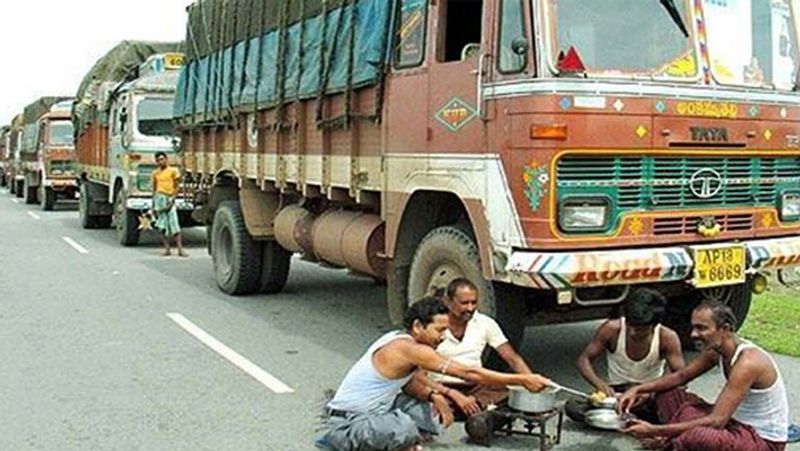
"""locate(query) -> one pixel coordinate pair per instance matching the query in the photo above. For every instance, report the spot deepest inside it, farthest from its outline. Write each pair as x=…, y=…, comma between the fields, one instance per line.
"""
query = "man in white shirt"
x=464, y=342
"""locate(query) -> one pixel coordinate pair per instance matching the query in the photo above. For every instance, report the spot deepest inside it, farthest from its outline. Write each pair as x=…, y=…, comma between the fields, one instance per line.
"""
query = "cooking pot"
x=519, y=398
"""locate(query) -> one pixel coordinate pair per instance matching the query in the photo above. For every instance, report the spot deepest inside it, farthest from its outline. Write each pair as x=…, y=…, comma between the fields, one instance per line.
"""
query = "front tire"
x=47, y=198
x=450, y=252
x=236, y=256
x=126, y=221
x=29, y=193
x=679, y=311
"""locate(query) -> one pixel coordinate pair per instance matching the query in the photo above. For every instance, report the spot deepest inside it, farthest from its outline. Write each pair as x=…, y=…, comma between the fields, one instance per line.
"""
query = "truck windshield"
x=625, y=37
x=155, y=117
x=752, y=42
x=61, y=134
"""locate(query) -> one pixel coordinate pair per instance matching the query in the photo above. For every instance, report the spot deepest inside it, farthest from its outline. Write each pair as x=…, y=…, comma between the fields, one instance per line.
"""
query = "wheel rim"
x=718, y=294
x=225, y=252
x=442, y=274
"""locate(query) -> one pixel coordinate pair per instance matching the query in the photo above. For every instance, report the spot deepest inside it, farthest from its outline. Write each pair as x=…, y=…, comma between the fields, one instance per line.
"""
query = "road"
x=111, y=348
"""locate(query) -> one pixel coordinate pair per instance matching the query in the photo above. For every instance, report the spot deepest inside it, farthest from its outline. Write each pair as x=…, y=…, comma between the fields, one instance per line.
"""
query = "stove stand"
x=530, y=424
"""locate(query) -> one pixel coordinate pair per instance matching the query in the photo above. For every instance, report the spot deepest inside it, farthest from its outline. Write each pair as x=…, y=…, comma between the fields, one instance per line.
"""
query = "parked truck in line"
x=14, y=163
x=47, y=153
x=123, y=117
x=5, y=132
x=558, y=154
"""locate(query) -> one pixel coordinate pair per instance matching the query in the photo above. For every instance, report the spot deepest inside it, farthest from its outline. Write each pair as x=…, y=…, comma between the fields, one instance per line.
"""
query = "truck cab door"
x=460, y=49
x=119, y=127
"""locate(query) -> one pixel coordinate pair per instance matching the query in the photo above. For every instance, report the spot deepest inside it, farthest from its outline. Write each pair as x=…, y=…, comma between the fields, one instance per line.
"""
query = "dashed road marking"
x=15, y=200
x=75, y=245
x=34, y=215
x=268, y=380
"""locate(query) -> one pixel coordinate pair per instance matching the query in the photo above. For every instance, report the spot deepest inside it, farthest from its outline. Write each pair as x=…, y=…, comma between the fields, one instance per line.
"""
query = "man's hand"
x=605, y=388
x=628, y=400
x=640, y=429
x=535, y=382
x=468, y=404
x=442, y=409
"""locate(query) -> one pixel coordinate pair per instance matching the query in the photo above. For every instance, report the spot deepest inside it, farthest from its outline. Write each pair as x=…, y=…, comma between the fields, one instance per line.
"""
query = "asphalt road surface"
x=112, y=348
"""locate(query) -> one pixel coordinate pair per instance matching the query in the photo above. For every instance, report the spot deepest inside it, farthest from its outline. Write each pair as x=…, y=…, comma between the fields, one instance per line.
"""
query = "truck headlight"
x=589, y=214
x=790, y=206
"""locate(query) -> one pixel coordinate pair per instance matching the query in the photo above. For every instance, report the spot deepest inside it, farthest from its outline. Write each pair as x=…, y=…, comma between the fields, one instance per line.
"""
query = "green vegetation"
x=774, y=322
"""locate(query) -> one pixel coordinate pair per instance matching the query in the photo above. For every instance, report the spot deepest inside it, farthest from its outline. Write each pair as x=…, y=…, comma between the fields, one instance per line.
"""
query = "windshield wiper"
x=669, y=5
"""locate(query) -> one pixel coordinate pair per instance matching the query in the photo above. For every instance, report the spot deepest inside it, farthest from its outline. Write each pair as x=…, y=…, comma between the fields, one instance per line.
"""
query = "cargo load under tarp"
x=118, y=65
x=40, y=107
x=250, y=54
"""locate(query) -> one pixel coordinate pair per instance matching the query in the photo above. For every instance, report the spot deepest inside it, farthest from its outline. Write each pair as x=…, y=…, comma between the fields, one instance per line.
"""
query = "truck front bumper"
x=146, y=203
x=568, y=270
x=61, y=183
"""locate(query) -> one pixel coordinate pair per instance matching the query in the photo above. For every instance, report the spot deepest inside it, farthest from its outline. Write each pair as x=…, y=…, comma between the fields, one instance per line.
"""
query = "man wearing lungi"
x=751, y=412
x=165, y=188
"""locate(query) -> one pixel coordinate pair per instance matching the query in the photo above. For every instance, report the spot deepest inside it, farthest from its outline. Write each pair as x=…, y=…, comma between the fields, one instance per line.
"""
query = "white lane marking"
x=75, y=245
x=15, y=200
x=268, y=380
x=34, y=215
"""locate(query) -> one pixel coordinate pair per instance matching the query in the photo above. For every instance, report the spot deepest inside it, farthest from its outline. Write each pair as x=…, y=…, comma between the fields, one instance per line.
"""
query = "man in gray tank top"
x=379, y=406
x=751, y=412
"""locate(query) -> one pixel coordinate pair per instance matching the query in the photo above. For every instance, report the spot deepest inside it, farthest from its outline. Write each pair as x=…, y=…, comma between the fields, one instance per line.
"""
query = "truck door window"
x=513, y=54
x=461, y=25
x=410, y=38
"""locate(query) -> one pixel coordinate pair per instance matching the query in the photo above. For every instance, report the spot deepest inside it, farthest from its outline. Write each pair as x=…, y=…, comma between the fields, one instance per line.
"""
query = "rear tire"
x=275, y=264
x=679, y=312
x=450, y=252
x=19, y=187
x=47, y=198
x=89, y=221
x=126, y=221
x=236, y=256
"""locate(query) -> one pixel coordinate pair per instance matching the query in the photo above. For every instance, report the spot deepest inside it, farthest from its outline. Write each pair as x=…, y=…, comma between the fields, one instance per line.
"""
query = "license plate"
x=718, y=265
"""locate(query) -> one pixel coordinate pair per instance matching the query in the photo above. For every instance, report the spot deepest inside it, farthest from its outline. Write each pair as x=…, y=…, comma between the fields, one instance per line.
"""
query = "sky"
x=47, y=46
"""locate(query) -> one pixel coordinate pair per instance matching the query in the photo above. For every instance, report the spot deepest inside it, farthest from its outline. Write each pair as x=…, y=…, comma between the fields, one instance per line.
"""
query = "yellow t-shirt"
x=165, y=181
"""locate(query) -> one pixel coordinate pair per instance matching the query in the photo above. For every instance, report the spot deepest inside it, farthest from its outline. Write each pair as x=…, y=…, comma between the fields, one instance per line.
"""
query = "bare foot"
x=183, y=253
x=166, y=253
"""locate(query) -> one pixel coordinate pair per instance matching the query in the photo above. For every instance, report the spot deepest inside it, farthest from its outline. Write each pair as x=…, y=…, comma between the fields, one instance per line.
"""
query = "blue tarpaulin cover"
x=249, y=74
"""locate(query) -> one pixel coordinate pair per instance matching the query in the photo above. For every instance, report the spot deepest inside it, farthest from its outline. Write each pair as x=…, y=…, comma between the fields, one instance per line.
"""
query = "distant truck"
x=48, y=152
x=123, y=117
x=5, y=131
x=13, y=162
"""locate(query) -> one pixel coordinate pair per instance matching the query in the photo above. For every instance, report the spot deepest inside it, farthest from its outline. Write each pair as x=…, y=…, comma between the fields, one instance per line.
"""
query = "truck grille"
x=658, y=183
x=687, y=225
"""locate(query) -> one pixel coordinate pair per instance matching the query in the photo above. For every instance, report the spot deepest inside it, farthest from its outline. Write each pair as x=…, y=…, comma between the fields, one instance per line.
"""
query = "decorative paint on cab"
x=456, y=114
x=535, y=178
x=707, y=109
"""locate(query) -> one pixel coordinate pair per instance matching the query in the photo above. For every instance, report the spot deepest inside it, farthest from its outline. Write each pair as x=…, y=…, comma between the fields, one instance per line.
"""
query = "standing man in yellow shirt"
x=165, y=188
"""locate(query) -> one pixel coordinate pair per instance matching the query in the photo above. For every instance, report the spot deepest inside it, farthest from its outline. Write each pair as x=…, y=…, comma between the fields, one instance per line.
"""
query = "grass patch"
x=774, y=322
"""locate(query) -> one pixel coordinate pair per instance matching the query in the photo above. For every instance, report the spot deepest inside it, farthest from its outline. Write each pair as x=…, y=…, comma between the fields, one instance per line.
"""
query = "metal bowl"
x=519, y=398
x=604, y=419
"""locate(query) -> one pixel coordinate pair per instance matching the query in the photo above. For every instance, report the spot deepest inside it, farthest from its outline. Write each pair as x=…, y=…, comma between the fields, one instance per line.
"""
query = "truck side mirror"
x=123, y=120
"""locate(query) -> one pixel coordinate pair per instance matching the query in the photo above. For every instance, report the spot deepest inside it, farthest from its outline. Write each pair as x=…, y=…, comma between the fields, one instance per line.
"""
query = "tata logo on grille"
x=709, y=134
x=706, y=183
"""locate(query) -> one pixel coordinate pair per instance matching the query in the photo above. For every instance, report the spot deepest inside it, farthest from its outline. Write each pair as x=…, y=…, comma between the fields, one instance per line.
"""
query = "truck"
x=47, y=152
x=557, y=154
x=5, y=131
x=13, y=163
x=123, y=117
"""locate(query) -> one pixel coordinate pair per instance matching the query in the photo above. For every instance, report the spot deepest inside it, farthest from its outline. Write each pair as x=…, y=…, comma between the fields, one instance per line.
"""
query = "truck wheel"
x=275, y=263
x=47, y=198
x=236, y=256
x=20, y=187
x=447, y=253
x=29, y=194
x=679, y=311
x=126, y=221
x=87, y=221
